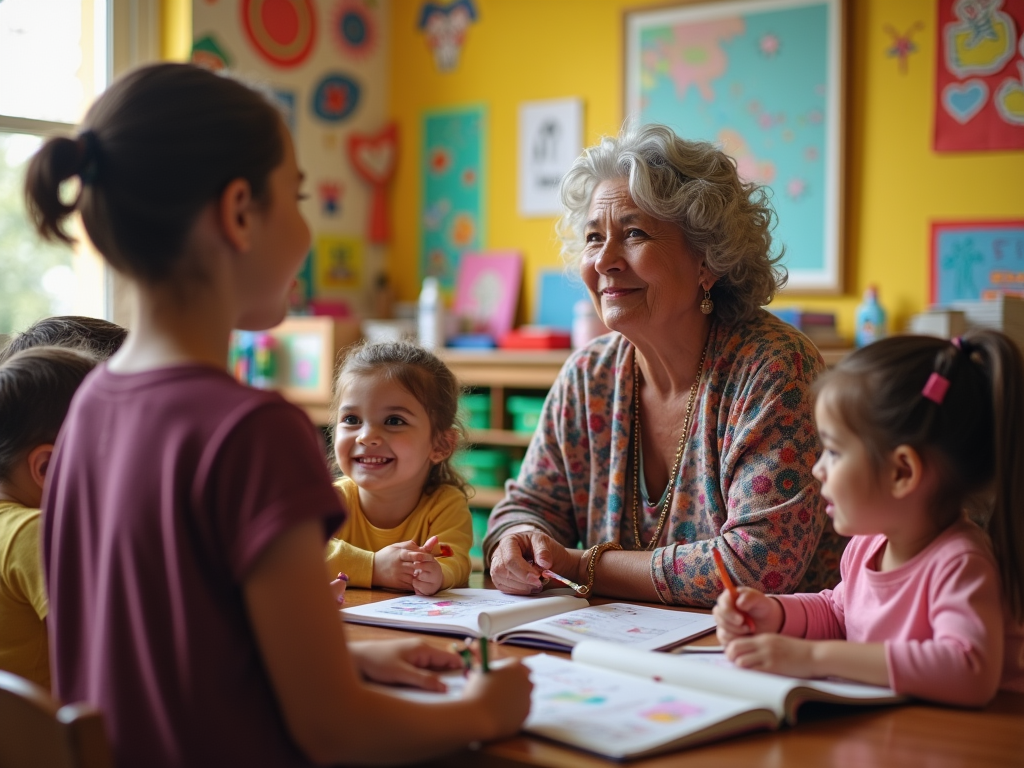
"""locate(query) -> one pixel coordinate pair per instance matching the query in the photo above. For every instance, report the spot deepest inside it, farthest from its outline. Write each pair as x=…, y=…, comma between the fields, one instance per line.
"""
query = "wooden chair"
x=36, y=732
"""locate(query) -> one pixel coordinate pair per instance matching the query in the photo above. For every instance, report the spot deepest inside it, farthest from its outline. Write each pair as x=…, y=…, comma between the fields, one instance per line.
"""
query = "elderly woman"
x=690, y=426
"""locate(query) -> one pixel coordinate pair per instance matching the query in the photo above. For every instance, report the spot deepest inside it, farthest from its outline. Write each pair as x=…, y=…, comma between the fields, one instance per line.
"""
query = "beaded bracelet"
x=595, y=552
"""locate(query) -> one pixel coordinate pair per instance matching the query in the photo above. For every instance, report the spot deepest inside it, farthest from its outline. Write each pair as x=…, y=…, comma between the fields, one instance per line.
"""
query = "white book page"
x=616, y=714
x=473, y=611
x=713, y=672
x=637, y=626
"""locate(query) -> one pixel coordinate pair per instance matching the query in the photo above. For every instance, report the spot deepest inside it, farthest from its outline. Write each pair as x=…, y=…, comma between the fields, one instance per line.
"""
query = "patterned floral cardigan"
x=745, y=485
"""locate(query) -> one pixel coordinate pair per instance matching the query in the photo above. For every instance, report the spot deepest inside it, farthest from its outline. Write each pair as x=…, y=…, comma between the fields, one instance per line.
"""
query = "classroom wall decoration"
x=903, y=44
x=445, y=27
x=550, y=140
x=764, y=81
x=325, y=64
x=486, y=292
x=979, y=102
x=374, y=158
x=452, y=173
x=976, y=260
x=282, y=31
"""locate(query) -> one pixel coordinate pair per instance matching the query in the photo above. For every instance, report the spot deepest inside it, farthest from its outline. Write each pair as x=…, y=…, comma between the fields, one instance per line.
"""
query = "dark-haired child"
x=395, y=430
x=36, y=387
x=97, y=337
x=186, y=515
x=914, y=430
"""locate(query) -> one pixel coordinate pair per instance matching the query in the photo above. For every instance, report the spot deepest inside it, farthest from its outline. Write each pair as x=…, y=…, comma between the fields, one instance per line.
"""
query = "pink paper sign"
x=487, y=291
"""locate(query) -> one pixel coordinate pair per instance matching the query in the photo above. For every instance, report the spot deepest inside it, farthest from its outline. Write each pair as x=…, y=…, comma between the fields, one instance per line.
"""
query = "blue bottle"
x=870, y=322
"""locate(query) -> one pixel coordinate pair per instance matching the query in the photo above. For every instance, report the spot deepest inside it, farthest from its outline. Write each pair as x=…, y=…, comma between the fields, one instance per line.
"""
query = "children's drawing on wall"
x=452, y=173
x=353, y=28
x=980, y=78
x=374, y=158
x=281, y=31
x=339, y=261
x=335, y=97
x=977, y=260
x=761, y=80
x=550, y=139
x=445, y=28
x=329, y=193
x=208, y=53
x=302, y=292
x=903, y=44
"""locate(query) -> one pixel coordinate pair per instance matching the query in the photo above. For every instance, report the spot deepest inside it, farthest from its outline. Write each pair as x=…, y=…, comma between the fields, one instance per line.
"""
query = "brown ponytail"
x=58, y=160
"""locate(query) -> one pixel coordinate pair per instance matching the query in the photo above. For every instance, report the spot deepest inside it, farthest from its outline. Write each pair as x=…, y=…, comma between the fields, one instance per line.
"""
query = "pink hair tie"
x=956, y=343
x=935, y=388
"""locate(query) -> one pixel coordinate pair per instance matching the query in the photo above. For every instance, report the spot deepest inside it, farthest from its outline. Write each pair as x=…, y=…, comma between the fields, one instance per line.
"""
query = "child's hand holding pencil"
x=741, y=612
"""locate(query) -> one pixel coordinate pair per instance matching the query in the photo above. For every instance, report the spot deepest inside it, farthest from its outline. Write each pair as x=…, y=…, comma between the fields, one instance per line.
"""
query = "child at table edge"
x=395, y=429
x=914, y=430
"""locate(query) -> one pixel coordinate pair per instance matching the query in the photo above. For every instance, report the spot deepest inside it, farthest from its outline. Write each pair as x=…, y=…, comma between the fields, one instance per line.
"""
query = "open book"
x=625, y=703
x=556, y=622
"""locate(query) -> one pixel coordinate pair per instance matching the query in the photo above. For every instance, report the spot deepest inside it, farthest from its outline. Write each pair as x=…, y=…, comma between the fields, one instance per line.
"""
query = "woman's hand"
x=504, y=693
x=519, y=558
x=765, y=612
x=403, y=662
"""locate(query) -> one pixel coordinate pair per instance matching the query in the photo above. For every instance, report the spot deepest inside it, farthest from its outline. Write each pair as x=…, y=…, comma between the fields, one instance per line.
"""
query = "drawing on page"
x=450, y=606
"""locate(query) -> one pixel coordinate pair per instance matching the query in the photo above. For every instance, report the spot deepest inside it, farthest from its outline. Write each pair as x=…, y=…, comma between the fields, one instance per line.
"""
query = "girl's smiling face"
x=383, y=439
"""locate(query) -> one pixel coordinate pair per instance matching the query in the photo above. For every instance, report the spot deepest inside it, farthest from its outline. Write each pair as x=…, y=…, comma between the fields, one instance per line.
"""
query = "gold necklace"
x=667, y=503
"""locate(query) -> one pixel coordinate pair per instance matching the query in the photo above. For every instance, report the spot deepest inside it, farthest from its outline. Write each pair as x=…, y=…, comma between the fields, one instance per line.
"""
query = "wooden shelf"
x=486, y=497
x=506, y=368
x=498, y=437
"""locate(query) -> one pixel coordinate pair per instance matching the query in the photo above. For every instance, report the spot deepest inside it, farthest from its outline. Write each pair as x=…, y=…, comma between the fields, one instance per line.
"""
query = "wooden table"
x=827, y=735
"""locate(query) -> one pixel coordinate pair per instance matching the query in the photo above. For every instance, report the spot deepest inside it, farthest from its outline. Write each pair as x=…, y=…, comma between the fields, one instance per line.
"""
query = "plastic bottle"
x=870, y=321
x=431, y=321
x=586, y=325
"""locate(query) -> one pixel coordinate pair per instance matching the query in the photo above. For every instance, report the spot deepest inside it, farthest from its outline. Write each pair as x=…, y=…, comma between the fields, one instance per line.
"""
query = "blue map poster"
x=977, y=260
x=451, y=220
x=761, y=80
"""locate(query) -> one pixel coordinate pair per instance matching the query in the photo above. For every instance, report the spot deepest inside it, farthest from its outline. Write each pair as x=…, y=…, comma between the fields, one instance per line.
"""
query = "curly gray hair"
x=696, y=186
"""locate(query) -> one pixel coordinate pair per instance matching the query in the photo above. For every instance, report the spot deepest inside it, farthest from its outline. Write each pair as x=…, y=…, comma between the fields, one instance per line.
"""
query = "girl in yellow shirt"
x=409, y=525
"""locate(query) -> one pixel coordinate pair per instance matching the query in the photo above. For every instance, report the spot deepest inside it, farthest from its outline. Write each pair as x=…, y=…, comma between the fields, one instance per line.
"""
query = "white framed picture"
x=550, y=139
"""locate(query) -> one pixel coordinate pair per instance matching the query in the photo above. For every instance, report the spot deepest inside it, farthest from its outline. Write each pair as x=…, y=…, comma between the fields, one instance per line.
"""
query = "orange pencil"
x=724, y=576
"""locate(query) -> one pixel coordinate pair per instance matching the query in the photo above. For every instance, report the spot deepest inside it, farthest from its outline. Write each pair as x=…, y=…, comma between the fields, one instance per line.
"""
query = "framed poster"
x=762, y=80
x=550, y=140
x=974, y=260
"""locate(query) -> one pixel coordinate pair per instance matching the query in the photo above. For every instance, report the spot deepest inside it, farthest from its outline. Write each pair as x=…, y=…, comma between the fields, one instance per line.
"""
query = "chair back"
x=36, y=732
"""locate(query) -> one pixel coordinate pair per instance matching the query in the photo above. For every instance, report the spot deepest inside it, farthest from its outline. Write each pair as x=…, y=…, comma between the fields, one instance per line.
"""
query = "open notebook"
x=556, y=623
x=624, y=703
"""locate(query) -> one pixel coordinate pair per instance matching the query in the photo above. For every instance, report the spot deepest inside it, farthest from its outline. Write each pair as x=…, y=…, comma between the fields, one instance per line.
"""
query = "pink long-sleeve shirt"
x=941, y=616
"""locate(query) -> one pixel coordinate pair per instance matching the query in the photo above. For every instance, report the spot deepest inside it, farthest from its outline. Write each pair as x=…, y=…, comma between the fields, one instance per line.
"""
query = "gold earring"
x=707, y=306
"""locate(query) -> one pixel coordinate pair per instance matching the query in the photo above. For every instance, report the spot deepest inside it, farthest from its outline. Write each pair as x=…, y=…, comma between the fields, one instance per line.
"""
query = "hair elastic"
x=935, y=388
x=88, y=155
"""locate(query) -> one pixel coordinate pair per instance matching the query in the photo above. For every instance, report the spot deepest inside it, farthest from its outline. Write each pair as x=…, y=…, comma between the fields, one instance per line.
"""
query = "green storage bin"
x=525, y=412
x=483, y=467
x=480, y=517
x=514, y=465
x=475, y=410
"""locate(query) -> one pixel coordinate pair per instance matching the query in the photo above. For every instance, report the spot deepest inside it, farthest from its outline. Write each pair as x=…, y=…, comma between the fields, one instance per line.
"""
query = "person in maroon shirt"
x=185, y=514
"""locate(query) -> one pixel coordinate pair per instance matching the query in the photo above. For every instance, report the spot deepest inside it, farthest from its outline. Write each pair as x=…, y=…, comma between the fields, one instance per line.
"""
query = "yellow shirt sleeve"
x=354, y=559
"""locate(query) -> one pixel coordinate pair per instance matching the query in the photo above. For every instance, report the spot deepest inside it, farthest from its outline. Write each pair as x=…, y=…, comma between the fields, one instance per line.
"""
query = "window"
x=56, y=56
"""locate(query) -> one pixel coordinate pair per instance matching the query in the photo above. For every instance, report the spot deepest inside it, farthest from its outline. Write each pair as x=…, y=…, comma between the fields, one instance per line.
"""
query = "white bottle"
x=586, y=325
x=431, y=315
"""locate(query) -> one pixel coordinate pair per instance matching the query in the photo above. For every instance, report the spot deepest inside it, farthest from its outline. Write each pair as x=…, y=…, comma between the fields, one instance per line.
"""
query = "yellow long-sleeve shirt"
x=24, y=649
x=444, y=513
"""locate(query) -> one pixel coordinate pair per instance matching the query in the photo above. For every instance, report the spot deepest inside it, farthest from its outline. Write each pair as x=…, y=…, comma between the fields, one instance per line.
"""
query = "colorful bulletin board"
x=323, y=64
x=763, y=80
x=976, y=260
x=452, y=219
x=487, y=291
x=979, y=82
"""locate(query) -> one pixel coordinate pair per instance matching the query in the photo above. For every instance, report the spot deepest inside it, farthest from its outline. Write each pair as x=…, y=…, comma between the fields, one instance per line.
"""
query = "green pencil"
x=483, y=654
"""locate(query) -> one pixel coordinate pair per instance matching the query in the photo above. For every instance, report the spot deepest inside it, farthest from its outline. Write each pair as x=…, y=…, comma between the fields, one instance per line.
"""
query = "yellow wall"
x=524, y=50
x=175, y=29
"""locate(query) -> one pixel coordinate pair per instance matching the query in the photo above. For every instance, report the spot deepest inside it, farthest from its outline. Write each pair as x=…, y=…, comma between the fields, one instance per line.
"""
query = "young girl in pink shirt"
x=915, y=431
